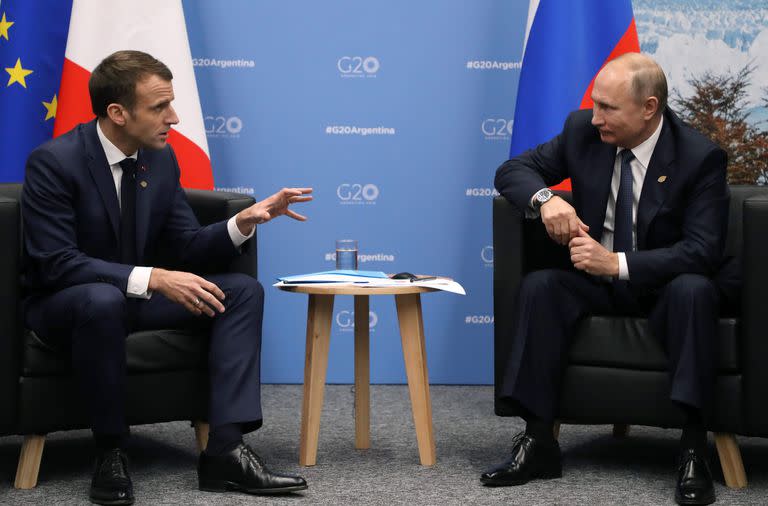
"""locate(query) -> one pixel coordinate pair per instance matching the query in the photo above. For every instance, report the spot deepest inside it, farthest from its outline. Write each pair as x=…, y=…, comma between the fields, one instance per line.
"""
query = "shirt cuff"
x=234, y=233
x=138, y=283
x=623, y=267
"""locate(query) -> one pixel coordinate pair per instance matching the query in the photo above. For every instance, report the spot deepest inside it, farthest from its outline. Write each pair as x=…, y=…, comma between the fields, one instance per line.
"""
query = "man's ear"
x=650, y=107
x=116, y=113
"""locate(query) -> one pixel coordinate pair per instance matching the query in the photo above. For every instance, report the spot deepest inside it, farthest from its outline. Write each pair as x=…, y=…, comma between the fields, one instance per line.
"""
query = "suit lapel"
x=102, y=176
x=600, y=172
x=656, y=183
x=144, y=194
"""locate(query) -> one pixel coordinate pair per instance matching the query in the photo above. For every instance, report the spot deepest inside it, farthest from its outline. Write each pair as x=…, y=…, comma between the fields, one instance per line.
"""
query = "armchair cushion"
x=146, y=351
x=627, y=343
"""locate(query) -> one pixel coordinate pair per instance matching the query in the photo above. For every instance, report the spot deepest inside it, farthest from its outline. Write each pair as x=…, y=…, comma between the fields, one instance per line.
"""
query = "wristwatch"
x=541, y=197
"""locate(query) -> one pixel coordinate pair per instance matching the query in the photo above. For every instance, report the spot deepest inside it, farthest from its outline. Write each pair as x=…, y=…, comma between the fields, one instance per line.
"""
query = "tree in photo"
x=719, y=109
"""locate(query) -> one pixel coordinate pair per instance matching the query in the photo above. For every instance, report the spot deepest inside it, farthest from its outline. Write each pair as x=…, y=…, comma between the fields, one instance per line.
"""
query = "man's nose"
x=597, y=118
x=172, y=118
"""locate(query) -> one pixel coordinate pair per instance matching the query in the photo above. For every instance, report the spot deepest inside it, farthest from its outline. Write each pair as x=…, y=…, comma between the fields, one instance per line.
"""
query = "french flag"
x=96, y=30
x=566, y=45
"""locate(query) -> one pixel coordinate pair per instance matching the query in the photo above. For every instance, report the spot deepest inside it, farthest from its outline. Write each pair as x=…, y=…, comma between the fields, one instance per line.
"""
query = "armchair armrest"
x=212, y=206
x=519, y=246
x=754, y=331
x=10, y=341
x=507, y=274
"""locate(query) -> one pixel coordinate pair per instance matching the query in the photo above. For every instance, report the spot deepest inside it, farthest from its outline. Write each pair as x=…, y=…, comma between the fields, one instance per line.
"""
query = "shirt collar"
x=114, y=155
x=644, y=150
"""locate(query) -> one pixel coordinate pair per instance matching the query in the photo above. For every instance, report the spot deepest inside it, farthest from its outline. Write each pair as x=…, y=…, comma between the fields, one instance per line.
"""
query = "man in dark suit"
x=100, y=204
x=646, y=234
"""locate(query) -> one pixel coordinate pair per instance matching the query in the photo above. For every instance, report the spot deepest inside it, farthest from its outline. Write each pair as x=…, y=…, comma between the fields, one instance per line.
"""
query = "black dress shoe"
x=244, y=471
x=694, y=481
x=111, y=483
x=530, y=460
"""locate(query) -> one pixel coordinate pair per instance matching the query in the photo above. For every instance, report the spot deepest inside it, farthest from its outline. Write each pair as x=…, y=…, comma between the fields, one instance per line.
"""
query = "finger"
x=190, y=306
x=208, y=303
x=550, y=231
x=297, y=198
x=583, y=226
x=573, y=227
x=295, y=215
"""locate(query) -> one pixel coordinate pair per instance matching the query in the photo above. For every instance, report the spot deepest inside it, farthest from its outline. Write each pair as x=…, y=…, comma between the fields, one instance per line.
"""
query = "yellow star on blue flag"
x=33, y=37
x=4, y=26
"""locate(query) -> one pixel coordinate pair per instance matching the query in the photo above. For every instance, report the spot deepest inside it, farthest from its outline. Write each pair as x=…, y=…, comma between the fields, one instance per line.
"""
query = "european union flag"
x=33, y=37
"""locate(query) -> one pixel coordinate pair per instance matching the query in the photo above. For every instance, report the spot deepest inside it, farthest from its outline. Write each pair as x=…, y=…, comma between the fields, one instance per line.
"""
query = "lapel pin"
x=662, y=179
x=143, y=184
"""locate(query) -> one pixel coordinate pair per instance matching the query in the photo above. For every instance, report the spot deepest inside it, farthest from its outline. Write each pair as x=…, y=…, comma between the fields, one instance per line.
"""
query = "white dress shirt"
x=639, y=165
x=138, y=279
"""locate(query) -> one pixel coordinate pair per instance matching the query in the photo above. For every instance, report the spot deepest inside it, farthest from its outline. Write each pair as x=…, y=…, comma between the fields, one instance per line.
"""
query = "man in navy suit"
x=646, y=234
x=100, y=204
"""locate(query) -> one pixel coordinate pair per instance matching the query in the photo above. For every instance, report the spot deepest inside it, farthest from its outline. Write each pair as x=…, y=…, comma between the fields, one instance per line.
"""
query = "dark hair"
x=114, y=79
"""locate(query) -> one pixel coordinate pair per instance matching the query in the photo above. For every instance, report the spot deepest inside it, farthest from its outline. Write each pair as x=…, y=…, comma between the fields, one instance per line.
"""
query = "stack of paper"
x=366, y=279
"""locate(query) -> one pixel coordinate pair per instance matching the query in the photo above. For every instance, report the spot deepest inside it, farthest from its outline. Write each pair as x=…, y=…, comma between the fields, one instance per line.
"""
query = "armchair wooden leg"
x=730, y=460
x=201, y=435
x=620, y=430
x=29, y=461
x=556, y=430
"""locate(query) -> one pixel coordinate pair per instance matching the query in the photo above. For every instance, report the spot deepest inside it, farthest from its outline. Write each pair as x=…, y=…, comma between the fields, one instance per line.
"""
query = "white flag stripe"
x=98, y=28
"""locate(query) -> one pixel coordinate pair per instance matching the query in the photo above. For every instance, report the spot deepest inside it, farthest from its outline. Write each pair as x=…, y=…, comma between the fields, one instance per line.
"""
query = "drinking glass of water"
x=346, y=254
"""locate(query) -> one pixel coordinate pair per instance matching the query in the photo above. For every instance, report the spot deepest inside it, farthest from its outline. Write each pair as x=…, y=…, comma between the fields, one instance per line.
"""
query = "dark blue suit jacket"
x=682, y=214
x=72, y=216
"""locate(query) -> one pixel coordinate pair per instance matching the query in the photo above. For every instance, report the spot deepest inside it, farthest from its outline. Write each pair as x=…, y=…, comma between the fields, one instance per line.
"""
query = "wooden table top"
x=404, y=289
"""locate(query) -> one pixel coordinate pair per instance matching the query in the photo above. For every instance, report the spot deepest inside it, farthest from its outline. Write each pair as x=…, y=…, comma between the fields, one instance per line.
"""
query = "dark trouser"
x=96, y=318
x=550, y=304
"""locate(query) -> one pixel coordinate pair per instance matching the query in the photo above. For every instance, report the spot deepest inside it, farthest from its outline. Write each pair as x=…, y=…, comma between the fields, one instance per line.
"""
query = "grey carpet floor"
x=598, y=469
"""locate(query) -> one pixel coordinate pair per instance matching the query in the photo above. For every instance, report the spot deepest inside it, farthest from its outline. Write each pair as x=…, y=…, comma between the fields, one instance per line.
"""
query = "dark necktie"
x=128, y=212
x=622, y=214
x=622, y=228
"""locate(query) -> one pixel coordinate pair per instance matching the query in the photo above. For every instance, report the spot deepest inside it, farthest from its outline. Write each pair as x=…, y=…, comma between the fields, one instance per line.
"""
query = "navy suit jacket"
x=72, y=216
x=682, y=214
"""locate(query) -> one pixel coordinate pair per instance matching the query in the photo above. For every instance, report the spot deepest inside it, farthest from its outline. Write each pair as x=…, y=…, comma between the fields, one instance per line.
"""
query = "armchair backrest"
x=10, y=331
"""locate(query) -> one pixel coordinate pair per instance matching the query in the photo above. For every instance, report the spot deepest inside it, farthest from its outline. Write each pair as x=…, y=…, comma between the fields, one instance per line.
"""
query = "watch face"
x=543, y=196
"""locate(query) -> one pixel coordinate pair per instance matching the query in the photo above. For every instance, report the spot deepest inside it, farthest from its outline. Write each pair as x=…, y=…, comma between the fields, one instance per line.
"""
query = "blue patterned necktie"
x=128, y=212
x=622, y=214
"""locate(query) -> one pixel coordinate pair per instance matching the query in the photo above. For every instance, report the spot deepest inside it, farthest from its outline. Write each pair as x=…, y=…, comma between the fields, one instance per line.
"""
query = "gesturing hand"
x=591, y=257
x=560, y=219
x=198, y=295
x=272, y=207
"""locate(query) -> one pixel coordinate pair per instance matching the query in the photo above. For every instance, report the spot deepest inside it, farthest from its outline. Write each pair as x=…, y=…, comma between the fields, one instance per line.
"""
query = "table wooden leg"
x=414, y=353
x=362, y=374
x=319, y=315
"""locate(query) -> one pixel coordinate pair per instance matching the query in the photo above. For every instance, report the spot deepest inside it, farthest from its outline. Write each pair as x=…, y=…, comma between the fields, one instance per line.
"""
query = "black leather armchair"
x=618, y=372
x=167, y=369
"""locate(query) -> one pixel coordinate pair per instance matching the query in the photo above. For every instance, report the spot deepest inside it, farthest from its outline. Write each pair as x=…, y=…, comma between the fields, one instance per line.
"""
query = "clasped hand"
x=565, y=227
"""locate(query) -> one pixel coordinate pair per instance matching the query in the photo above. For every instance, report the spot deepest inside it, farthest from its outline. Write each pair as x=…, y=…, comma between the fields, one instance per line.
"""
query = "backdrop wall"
x=397, y=113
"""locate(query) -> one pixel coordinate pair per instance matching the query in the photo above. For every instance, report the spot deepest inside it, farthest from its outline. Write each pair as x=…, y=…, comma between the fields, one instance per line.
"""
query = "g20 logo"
x=358, y=65
x=486, y=254
x=357, y=193
x=346, y=319
x=222, y=125
x=498, y=127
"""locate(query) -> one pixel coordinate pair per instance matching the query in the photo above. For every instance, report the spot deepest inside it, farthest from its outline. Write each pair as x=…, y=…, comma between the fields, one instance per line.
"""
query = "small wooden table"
x=319, y=315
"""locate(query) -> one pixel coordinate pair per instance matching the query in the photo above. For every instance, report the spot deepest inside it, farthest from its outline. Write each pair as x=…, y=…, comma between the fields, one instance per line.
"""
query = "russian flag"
x=567, y=43
x=97, y=29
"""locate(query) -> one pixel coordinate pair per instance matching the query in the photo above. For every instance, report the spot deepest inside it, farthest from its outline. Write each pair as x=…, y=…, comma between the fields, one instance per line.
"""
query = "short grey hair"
x=648, y=79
